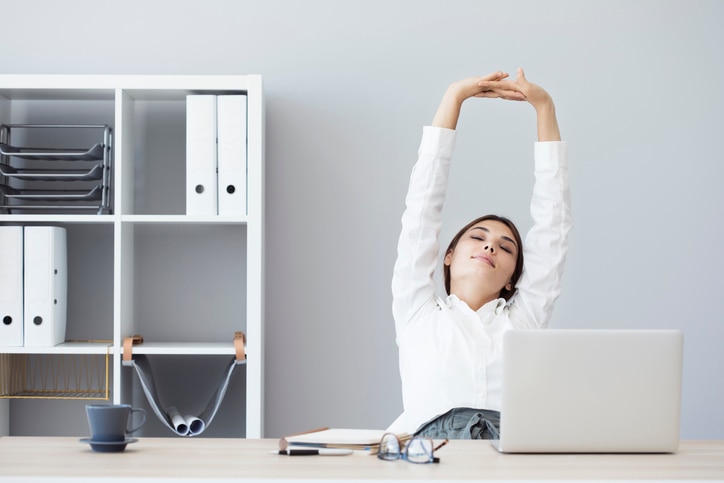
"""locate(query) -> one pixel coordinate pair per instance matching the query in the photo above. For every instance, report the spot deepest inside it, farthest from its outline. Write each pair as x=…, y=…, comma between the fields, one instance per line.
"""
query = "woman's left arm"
x=546, y=244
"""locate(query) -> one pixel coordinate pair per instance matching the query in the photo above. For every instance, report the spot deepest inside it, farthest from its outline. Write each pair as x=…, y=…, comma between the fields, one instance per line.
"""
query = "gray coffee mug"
x=109, y=422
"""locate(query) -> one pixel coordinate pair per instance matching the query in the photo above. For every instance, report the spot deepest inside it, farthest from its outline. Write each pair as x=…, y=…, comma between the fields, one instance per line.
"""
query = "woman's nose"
x=490, y=247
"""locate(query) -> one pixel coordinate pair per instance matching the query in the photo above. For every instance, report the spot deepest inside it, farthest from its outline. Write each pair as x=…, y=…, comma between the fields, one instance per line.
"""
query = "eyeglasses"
x=417, y=450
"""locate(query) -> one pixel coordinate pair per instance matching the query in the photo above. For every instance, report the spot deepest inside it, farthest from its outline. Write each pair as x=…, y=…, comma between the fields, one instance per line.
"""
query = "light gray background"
x=349, y=85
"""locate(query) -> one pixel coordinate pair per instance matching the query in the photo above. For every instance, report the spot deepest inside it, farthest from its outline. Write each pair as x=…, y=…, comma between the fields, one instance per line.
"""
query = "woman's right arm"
x=418, y=246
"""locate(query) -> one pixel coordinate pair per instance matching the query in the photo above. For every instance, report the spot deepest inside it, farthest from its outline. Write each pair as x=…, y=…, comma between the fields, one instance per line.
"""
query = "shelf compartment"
x=54, y=376
x=189, y=282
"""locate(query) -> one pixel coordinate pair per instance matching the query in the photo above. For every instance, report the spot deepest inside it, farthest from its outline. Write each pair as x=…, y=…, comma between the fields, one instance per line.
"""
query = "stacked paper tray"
x=53, y=178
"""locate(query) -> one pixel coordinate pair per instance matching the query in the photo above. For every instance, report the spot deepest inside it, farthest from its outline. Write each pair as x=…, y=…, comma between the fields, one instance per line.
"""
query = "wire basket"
x=54, y=376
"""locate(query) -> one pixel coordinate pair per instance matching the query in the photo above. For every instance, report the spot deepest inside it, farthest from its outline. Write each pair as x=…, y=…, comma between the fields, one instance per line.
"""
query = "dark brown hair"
x=505, y=293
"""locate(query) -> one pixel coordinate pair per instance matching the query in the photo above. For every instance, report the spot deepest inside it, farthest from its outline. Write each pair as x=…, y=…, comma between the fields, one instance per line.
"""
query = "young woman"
x=450, y=347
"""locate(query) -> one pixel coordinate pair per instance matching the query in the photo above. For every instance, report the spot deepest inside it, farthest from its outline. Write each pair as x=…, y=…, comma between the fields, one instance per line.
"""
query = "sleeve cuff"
x=438, y=141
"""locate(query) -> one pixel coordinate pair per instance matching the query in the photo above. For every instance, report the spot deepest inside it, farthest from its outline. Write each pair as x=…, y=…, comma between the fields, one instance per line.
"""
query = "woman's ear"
x=448, y=258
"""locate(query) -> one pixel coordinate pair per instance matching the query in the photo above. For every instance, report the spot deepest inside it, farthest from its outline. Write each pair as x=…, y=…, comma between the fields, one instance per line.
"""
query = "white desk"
x=208, y=459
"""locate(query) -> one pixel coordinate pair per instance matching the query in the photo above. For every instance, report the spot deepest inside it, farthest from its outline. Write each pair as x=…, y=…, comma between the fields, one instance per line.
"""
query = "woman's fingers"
x=506, y=89
x=500, y=85
x=495, y=76
x=502, y=89
x=502, y=94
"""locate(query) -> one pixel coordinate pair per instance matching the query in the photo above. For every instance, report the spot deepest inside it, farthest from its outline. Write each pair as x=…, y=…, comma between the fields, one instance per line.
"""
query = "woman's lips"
x=486, y=259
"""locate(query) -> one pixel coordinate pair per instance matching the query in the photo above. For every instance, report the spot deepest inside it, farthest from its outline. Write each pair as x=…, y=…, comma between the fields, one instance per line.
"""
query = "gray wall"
x=349, y=84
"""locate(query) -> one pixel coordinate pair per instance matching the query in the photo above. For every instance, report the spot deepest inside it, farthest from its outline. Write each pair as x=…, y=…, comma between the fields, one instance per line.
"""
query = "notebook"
x=591, y=391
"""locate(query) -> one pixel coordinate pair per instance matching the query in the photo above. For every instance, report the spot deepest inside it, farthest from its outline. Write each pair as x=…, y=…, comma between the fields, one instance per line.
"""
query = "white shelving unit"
x=185, y=283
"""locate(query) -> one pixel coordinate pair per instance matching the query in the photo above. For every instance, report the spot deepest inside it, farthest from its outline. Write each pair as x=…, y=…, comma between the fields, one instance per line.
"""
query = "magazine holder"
x=170, y=416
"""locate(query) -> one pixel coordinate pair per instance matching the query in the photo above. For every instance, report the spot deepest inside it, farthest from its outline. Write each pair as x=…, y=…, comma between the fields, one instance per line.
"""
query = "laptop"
x=591, y=391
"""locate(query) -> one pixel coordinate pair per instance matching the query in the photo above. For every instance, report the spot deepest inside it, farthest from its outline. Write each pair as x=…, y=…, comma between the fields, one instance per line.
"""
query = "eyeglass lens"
x=418, y=450
x=389, y=447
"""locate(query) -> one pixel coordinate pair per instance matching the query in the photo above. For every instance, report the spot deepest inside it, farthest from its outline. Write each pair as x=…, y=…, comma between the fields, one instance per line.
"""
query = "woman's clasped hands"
x=498, y=85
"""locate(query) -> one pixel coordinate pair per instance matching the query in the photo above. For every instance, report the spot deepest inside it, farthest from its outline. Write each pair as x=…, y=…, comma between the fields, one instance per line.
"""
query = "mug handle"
x=130, y=418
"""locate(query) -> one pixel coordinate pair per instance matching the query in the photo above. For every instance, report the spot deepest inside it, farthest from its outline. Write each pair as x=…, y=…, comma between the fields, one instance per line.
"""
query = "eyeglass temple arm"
x=440, y=445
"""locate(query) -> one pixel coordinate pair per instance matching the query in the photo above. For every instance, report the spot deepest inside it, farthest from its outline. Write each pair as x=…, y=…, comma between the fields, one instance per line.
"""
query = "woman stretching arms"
x=450, y=348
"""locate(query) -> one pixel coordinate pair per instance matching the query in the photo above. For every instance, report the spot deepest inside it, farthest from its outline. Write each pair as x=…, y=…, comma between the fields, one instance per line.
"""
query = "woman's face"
x=487, y=253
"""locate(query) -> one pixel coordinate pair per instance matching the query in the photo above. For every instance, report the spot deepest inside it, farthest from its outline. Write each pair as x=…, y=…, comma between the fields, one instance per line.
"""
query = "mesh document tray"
x=93, y=194
x=95, y=172
x=92, y=154
x=38, y=171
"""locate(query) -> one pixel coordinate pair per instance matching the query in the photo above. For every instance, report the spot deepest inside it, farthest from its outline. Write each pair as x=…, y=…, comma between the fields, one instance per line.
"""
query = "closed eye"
x=508, y=246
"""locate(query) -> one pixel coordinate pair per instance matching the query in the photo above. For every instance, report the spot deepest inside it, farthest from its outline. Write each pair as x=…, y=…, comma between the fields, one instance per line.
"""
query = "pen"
x=316, y=452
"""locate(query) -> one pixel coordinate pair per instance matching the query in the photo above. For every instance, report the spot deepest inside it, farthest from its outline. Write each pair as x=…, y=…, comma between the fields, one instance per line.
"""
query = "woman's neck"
x=474, y=298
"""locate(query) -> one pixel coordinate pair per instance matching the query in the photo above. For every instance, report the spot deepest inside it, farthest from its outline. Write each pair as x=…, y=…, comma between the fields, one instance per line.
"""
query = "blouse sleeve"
x=546, y=244
x=418, y=245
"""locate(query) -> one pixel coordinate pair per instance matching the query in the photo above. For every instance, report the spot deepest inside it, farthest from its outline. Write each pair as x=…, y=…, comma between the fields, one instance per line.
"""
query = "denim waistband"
x=463, y=423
